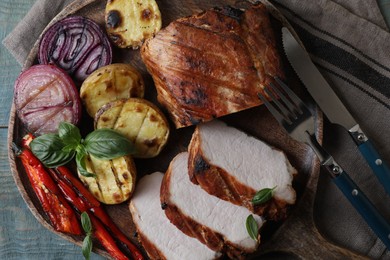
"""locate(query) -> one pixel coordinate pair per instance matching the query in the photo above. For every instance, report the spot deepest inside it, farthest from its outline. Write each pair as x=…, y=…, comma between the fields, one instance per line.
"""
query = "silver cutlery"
x=332, y=106
x=291, y=113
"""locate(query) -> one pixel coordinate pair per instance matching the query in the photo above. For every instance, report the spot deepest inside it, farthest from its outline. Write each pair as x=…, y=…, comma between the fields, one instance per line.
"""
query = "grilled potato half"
x=109, y=83
x=140, y=121
x=130, y=22
x=114, y=180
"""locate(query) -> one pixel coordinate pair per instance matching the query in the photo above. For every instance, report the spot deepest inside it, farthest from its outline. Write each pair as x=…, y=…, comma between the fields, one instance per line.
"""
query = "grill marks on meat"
x=210, y=64
x=218, y=163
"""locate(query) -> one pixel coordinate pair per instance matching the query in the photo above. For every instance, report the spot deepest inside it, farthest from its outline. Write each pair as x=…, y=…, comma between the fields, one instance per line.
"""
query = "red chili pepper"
x=97, y=210
x=105, y=239
x=61, y=215
x=64, y=174
x=79, y=205
x=78, y=186
x=82, y=200
x=69, y=193
x=103, y=217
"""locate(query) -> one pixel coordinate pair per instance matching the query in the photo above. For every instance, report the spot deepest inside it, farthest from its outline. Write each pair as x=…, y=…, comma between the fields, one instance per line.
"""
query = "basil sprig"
x=87, y=242
x=107, y=144
x=49, y=149
x=252, y=228
x=262, y=196
x=54, y=150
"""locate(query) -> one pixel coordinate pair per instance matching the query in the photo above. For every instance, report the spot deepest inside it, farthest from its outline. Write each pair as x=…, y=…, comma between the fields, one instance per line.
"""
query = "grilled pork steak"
x=213, y=63
x=217, y=223
x=233, y=166
x=160, y=238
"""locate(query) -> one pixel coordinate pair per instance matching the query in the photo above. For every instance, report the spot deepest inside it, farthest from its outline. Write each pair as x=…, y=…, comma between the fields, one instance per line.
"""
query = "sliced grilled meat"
x=217, y=223
x=160, y=238
x=233, y=166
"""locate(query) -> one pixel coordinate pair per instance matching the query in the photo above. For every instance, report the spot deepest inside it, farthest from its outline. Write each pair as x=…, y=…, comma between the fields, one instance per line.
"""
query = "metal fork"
x=291, y=113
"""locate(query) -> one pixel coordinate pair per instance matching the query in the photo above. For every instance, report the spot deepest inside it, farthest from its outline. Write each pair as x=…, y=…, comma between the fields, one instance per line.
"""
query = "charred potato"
x=140, y=121
x=114, y=180
x=130, y=22
x=110, y=83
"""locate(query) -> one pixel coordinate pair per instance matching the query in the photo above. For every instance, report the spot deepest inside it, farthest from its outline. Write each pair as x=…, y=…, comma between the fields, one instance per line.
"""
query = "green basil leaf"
x=81, y=165
x=252, y=227
x=68, y=148
x=48, y=148
x=86, y=223
x=87, y=247
x=262, y=196
x=107, y=144
x=69, y=134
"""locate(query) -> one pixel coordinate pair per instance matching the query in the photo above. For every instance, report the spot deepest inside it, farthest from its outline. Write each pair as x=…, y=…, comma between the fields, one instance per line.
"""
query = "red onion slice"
x=44, y=97
x=77, y=45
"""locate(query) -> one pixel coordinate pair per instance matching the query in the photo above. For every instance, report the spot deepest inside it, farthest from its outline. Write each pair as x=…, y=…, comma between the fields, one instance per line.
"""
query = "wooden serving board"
x=297, y=235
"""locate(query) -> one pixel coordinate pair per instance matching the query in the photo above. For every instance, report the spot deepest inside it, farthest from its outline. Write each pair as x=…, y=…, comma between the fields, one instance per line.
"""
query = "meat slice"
x=233, y=166
x=160, y=238
x=213, y=63
x=215, y=222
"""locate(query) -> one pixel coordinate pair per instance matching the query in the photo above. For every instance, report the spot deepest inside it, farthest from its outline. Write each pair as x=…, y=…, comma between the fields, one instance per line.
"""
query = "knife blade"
x=332, y=106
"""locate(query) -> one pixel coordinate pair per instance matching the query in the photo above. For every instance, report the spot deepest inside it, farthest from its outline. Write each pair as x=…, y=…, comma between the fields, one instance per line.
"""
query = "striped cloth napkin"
x=40, y=14
x=349, y=42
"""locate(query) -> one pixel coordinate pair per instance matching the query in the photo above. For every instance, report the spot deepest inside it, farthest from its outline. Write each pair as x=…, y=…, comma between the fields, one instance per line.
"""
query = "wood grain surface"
x=23, y=237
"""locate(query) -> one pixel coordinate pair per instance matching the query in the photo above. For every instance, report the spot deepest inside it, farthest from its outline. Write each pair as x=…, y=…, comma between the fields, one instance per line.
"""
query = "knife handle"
x=366, y=209
x=376, y=163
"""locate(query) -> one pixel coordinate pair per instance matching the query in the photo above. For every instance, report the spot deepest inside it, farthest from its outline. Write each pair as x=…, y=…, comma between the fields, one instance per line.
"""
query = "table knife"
x=332, y=106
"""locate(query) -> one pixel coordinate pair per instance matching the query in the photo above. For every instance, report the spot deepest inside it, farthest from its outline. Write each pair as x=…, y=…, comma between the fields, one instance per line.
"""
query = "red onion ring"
x=77, y=45
x=45, y=96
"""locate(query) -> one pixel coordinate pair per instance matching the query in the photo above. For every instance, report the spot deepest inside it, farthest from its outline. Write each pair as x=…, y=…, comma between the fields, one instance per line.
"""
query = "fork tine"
x=294, y=98
x=292, y=105
x=282, y=108
x=278, y=116
x=287, y=107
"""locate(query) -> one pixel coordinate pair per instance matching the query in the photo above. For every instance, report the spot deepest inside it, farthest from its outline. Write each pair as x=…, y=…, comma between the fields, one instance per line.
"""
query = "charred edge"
x=150, y=143
x=194, y=63
x=113, y=19
x=109, y=85
x=194, y=121
x=193, y=229
x=205, y=235
x=146, y=14
x=197, y=100
x=151, y=250
x=231, y=192
x=230, y=11
x=118, y=197
x=164, y=205
x=273, y=210
x=200, y=165
x=153, y=118
x=116, y=38
x=234, y=253
x=134, y=91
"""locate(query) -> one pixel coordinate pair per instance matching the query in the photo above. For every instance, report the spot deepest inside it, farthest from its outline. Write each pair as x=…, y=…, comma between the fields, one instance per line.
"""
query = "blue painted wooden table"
x=21, y=235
